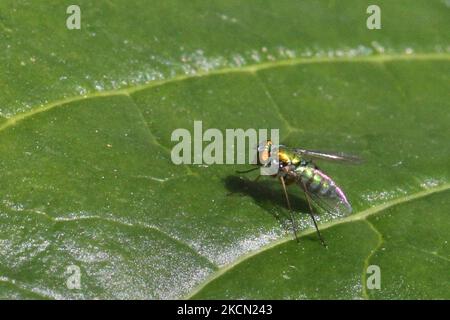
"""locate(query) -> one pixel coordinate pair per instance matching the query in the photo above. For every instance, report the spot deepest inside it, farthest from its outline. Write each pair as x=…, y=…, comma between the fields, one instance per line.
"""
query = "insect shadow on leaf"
x=267, y=194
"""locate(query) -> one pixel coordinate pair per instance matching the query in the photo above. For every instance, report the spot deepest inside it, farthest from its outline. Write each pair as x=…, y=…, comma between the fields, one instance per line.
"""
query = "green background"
x=87, y=180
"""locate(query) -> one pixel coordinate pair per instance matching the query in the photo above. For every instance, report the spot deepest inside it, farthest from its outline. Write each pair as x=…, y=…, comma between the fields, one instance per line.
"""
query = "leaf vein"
x=120, y=223
x=289, y=127
x=434, y=254
x=362, y=215
x=24, y=289
x=371, y=254
x=127, y=91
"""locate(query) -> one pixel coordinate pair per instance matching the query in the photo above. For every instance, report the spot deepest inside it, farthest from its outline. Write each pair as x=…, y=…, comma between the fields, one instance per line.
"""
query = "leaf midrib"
x=362, y=215
x=254, y=68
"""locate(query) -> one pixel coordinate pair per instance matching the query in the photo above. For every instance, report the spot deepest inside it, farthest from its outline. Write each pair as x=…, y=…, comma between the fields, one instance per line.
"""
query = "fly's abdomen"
x=315, y=182
x=319, y=184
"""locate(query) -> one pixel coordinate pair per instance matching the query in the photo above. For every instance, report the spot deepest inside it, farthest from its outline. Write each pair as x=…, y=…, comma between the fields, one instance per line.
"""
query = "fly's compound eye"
x=264, y=146
x=265, y=151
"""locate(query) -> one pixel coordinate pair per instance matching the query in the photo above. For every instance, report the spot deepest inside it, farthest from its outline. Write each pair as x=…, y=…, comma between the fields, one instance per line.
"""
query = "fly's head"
x=267, y=154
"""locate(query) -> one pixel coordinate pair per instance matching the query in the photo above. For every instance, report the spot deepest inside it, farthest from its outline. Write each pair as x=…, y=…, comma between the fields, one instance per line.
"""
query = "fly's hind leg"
x=311, y=213
x=294, y=227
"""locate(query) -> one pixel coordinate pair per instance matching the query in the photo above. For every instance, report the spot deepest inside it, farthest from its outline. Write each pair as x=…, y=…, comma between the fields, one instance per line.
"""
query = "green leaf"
x=390, y=236
x=87, y=180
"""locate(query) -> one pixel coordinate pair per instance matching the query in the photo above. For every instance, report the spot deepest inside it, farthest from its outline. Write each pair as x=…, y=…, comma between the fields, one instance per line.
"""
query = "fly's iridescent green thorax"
x=287, y=157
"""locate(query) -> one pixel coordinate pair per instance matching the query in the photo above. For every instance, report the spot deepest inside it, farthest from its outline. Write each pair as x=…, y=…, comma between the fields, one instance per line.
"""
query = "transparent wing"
x=335, y=206
x=331, y=200
x=332, y=156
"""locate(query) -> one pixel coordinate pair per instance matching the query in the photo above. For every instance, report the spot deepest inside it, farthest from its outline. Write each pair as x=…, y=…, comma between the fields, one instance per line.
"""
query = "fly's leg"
x=311, y=213
x=294, y=227
x=247, y=171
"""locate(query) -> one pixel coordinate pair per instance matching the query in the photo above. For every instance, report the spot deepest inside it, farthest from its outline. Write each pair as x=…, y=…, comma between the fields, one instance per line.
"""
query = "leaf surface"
x=86, y=118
